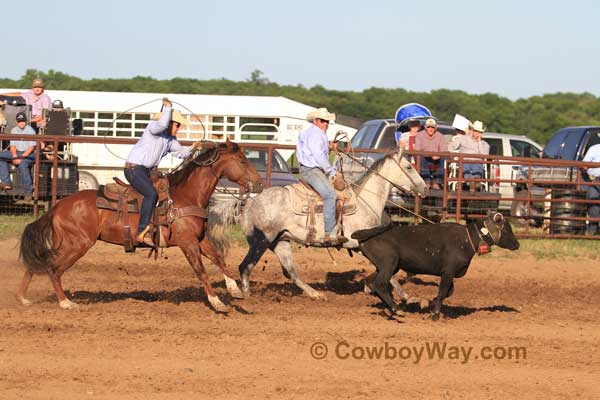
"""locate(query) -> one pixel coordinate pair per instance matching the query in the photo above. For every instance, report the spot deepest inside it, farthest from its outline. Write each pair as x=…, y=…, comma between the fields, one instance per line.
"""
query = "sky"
x=516, y=49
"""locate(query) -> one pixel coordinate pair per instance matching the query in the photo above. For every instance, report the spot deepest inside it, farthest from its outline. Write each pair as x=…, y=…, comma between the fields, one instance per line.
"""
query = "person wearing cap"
x=472, y=144
x=21, y=153
x=37, y=99
x=430, y=140
x=312, y=151
x=159, y=139
x=57, y=105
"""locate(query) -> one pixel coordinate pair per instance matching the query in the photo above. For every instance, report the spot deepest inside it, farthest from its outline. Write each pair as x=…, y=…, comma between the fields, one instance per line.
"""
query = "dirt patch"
x=144, y=330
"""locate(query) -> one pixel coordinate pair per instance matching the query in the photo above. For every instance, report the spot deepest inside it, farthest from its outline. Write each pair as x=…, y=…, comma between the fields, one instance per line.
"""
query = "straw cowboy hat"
x=37, y=82
x=478, y=126
x=321, y=113
x=430, y=122
x=175, y=117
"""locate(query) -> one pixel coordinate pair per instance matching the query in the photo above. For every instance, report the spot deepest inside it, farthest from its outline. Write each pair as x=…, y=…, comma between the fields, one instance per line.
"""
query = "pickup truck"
x=570, y=144
x=380, y=134
x=567, y=144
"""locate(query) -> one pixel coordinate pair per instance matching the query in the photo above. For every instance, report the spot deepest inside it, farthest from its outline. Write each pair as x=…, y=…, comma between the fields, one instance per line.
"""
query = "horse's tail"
x=366, y=234
x=37, y=249
x=220, y=218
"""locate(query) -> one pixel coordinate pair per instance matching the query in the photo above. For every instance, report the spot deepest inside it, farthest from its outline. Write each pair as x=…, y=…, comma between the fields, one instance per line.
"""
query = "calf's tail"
x=366, y=234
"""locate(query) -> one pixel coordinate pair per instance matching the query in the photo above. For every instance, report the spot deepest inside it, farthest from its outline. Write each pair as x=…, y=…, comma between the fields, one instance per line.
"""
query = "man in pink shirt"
x=37, y=99
x=432, y=168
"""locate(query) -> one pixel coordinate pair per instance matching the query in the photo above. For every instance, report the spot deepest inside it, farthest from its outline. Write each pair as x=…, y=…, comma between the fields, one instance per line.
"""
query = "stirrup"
x=144, y=238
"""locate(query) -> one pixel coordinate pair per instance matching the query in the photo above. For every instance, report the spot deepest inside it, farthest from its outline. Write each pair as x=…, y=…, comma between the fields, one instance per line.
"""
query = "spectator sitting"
x=21, y=153
x=471, y=144
x=432, y=168
x=407, y=139
x=593, y=192
x=38, y=101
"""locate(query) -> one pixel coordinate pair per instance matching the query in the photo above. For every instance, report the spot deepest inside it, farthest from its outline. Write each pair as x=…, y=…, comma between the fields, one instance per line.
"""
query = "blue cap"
x=21, y=117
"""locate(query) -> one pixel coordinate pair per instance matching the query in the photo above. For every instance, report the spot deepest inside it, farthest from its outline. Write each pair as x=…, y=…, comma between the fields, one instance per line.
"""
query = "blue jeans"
x=471, y=171
x=139, y=178
x=6, y=157
x=593, y=193
x=316, y=178
x=432, y=170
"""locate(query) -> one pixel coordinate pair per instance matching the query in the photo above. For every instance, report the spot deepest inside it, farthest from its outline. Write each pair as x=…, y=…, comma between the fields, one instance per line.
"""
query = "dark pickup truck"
x=570, y=144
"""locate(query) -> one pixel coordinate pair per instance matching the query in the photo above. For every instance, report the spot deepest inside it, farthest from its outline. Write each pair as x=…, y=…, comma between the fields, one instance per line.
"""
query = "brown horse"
x=55, y=241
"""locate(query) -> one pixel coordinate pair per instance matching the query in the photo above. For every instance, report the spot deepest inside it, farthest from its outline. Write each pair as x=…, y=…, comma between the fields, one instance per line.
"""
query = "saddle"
x=306, y=201
x=123, y=199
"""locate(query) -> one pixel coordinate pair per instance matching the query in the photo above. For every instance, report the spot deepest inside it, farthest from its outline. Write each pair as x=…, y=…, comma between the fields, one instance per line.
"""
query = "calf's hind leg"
x=445, y=290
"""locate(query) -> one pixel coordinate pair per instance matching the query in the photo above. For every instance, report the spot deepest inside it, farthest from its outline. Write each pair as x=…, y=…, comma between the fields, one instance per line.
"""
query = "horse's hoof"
x=217, y=304
x=246, y=293
x=67, y=304
x=316, y=295
x=25, y=302
x=435, y=317
x=233, y=289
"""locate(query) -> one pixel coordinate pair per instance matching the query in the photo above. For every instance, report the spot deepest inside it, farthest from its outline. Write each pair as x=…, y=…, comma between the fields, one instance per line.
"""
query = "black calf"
x=443, y=250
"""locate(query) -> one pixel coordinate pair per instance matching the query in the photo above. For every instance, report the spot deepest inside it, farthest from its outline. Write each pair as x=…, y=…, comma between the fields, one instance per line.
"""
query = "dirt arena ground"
x=515, y=328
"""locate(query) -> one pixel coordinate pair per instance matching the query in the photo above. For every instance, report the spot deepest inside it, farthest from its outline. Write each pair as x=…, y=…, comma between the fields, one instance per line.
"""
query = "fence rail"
x=449, y=204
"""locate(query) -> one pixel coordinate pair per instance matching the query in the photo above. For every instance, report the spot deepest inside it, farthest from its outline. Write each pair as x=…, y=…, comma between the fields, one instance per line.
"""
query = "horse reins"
x=357, y=161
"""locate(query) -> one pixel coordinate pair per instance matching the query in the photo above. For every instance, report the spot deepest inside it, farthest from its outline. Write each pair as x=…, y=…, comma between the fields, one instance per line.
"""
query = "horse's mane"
x=182, y=173
x=376, y=167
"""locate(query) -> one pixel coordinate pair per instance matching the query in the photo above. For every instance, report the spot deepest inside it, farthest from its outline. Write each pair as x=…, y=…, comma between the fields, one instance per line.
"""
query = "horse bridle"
x=403, y=169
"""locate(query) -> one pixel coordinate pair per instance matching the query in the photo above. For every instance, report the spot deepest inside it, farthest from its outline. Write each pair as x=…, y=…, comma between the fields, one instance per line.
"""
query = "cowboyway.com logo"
x=415, y=354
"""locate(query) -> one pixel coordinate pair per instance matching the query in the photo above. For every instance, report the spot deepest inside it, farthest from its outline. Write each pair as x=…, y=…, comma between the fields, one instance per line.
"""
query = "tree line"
x=538, y=117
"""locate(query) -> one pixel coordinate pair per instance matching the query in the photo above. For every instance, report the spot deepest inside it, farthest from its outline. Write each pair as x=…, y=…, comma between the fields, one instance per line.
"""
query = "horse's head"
x=407, y=178
x=233, y=165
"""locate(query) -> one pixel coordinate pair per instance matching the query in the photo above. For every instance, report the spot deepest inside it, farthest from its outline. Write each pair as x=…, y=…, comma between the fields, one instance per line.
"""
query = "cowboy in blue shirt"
x=159, y=139
x=312, y=151
x=21, y=153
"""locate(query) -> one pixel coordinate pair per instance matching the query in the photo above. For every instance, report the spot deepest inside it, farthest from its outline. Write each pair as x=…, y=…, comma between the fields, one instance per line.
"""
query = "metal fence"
x=547, y=197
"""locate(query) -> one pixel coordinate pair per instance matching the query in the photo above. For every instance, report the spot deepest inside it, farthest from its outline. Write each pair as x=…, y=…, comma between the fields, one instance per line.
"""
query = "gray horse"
x=268, y=221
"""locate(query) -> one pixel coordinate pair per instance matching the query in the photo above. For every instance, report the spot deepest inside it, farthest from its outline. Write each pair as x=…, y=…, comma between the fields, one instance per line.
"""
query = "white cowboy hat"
x=478, y=126
x=461, y=123
x=321, y=113
x=176, y=116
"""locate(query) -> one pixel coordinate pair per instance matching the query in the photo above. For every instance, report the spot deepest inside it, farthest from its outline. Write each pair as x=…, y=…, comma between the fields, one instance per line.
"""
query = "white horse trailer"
x=243, y=119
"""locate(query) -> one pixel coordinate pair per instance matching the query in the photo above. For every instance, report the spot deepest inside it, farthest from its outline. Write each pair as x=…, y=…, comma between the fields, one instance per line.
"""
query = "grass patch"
x=548, y=249
x=12, y=226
